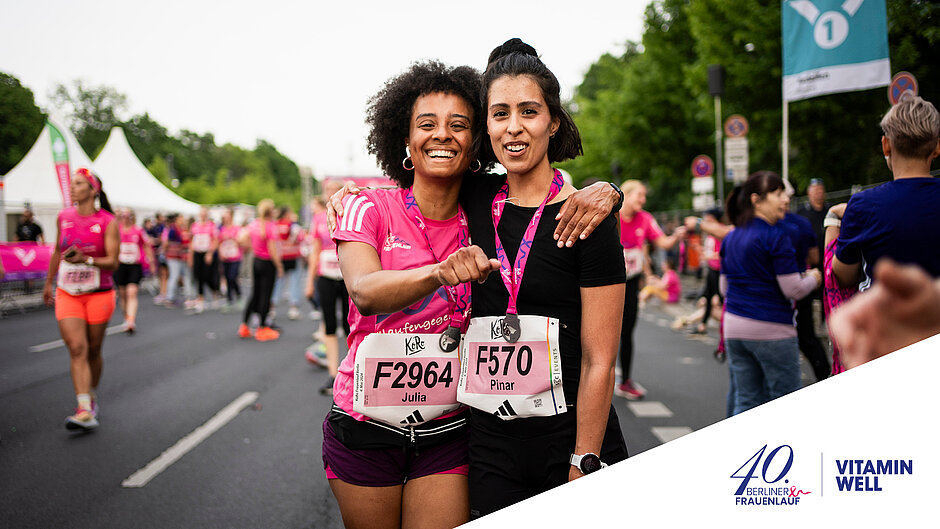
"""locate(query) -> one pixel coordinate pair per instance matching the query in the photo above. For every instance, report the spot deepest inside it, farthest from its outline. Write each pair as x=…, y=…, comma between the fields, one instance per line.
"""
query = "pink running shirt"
x=203, y=235
x=641, y=228
x=87, y=234
x=229, y=249
x=673, y=287
x=259, y=242
x=133, y=240
x=377, y=217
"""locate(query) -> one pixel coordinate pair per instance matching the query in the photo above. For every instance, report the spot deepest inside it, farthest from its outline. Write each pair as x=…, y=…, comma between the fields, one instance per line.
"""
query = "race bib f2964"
x=404, y=379
x=521, y=379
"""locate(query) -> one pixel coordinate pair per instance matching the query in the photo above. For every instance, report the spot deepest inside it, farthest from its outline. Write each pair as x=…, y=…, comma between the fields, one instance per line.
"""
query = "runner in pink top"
x=325, y=278
x=637, y=227
x=378, y=218
x=202, y=249
x=85, y=254
x=134, y=251
x=266, y=267
x=230, y=253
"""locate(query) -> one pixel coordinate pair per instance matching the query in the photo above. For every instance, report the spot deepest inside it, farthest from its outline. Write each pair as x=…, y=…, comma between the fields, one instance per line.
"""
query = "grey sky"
x=297, y=74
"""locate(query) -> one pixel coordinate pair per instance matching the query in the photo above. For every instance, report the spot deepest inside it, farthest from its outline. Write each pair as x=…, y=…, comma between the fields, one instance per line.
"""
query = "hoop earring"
x=478, y=167
x=406, y=161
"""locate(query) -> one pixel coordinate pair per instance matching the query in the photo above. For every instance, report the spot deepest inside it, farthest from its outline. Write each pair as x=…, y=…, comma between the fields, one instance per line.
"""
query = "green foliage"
x=648, y=111
x=207, y=173
x=21, y=121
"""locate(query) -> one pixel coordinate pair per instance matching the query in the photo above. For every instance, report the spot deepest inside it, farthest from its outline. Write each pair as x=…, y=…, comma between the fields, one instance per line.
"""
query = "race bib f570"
x=521, y=379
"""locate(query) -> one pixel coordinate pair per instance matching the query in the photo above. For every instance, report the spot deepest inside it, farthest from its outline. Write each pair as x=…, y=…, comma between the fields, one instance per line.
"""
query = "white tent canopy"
x=34, y=181
x=124, y=178
x=129, y=184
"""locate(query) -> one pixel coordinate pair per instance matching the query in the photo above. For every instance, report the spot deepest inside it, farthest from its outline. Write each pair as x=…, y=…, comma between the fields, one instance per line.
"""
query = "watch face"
x=590, y=463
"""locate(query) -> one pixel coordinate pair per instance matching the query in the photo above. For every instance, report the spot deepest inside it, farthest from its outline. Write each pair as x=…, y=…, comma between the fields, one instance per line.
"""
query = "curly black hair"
x=389, y=111
x=514, y=58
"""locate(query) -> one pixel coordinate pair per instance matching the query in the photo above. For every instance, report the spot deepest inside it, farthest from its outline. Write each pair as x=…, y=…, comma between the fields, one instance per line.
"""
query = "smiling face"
x=440, y=137
x=519, y=124
x=634, y=201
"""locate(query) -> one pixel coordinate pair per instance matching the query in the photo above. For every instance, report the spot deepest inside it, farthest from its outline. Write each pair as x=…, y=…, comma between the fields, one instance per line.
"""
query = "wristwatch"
x=587, y=463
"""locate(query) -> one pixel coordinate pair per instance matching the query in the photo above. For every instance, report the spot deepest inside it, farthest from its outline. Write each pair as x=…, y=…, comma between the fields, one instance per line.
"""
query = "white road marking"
x=59, y=343
x=649, y=409
x=184, y=445
x=691, y=360
x=668, y=433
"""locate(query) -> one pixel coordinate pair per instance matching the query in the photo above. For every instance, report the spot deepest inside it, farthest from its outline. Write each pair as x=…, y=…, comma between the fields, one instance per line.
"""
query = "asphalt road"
x=263, y=467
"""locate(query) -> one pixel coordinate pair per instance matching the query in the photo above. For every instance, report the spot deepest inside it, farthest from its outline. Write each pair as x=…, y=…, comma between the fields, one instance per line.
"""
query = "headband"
x=92, y=179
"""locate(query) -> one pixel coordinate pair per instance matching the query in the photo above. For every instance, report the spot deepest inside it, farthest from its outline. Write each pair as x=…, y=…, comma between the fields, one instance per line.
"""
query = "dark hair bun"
x=513, y=45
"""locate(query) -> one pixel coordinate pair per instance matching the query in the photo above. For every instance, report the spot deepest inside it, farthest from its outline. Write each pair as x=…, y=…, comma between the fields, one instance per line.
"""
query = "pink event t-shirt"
x=259, y=243
x=228, y=237
x=673, y=287
x=377, y=217
x=203, y=235
x=86, y=232
x=136, y=236
x=641, y=228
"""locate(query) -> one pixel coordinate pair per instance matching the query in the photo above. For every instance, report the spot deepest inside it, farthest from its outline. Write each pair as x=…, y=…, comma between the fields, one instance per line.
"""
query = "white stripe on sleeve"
x=362, y=213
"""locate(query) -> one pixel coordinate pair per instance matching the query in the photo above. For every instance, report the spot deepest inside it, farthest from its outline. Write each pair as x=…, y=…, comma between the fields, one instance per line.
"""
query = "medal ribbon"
x=512, y=277
x=459, y=295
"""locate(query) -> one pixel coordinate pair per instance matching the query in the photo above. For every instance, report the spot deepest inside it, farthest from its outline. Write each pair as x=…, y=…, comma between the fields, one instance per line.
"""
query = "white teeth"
x=515, y=148
x=441, y=154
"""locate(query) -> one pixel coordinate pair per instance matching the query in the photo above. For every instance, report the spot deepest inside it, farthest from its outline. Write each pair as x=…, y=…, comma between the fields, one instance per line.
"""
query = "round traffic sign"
x=736, y=126
x=702, y=165
x=901, y=83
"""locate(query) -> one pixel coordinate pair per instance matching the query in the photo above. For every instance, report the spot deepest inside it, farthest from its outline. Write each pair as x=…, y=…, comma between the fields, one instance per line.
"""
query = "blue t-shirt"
x=899, y=219
x=801, y=234
x=752, y=257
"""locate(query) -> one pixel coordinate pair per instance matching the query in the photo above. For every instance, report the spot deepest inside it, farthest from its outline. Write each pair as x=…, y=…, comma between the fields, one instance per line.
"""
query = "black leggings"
x=810, y=345
x=630, y=300
x=263, y=275
x=231, y=279
x=331, y=291
x=711, y=289
x=204, y=274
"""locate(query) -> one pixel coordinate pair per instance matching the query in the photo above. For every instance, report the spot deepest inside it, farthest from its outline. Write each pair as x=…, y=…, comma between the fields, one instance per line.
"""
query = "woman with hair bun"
x=266, y=268
x=760, y=277
x=540, y=351
x=81, y=266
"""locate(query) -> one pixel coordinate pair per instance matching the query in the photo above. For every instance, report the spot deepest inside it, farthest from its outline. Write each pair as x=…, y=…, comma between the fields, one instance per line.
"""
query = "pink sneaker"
x=629, y=391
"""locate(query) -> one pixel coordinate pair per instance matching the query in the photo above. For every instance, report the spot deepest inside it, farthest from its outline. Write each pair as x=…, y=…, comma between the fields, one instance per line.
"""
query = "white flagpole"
x=786, y=140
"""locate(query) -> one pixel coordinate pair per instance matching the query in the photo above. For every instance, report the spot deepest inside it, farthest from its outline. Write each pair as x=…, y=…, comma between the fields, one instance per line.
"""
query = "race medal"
x=402, y=380
x=78, y=278
x=512, y=379
x=511, y=328
x=450, y=339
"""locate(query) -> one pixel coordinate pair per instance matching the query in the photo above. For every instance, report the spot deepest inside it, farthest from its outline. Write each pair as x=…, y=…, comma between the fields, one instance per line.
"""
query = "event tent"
x=129, y=184
x=34, y=180
x=125, y=179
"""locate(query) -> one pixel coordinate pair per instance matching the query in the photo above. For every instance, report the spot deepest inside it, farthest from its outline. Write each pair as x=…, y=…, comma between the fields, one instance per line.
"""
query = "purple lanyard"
x=512, y=278
x=459, y=295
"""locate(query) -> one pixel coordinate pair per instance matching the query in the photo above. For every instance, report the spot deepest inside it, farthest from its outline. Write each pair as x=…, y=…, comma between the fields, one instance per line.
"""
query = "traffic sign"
x=702, y=202
x=901, y=83
x=737, y=159
x=703, y=184
x=736, y=126
x=703, y=165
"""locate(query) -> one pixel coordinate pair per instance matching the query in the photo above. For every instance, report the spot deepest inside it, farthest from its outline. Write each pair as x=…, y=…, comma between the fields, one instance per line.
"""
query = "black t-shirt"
x=28, y=231
x=816, y=219
x=553, y=276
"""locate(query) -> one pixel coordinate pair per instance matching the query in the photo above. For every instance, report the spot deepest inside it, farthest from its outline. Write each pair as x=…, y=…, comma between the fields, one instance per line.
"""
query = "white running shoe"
x=82, y=420
x=293, y=313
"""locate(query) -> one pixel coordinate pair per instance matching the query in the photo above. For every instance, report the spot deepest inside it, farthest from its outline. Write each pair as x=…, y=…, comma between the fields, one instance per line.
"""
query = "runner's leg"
x=368, y=507
x=438, y=500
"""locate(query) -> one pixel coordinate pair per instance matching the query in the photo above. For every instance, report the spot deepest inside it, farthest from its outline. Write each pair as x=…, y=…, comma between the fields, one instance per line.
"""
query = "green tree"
x=21, y=121
x=93, y=110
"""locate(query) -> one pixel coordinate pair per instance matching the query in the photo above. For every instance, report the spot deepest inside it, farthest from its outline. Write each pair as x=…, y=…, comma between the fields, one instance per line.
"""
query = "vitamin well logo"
x=865, y=475
x=765, y=480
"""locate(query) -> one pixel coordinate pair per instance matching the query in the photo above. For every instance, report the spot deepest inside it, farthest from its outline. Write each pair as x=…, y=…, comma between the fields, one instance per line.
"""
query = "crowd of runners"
x=516, y=293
